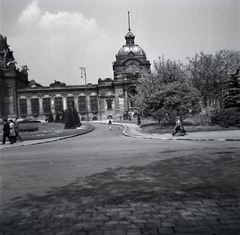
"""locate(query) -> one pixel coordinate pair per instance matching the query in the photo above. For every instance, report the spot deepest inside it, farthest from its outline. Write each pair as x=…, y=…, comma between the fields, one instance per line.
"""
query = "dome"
x=131, y=50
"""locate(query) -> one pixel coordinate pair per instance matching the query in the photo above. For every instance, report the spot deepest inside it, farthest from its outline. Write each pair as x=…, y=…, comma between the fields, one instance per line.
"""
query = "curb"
x=43, y=141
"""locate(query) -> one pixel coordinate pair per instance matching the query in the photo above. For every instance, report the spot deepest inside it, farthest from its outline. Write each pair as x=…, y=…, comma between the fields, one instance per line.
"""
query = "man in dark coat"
x=6, y=132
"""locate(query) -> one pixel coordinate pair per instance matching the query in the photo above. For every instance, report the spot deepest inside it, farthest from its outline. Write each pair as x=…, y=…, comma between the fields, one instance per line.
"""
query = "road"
x=34, y=170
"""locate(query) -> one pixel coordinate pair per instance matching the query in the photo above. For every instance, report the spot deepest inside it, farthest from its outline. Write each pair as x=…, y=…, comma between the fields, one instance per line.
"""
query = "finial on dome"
x=129, y=29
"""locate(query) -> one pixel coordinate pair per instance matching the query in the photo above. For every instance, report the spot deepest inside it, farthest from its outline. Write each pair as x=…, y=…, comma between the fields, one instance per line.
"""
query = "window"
x=93, y=103
x=82, y=104
x=8, y=90
x=70, y=102
x=109, y=104
x=35, y=106
x=46, y=105
x=23, y=106
x=58, y=104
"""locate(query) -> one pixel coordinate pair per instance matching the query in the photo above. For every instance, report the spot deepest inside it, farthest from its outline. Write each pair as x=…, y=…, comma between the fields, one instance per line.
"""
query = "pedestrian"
x=178, y=127
x=6, y=131
x=139, y=120
x=12, y=130
x=16, y=128
x=110, y=122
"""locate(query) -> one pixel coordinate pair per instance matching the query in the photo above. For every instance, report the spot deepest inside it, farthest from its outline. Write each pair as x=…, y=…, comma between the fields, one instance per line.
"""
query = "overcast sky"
x=56, y=37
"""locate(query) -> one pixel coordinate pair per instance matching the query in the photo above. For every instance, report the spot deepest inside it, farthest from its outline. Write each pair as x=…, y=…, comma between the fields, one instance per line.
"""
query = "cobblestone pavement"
x=177, y=217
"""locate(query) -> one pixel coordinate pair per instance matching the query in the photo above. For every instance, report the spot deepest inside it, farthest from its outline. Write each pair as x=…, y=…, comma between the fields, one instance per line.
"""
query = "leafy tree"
x=168, y=71
x=165, y=93
x=232, y=97
x=208, y=74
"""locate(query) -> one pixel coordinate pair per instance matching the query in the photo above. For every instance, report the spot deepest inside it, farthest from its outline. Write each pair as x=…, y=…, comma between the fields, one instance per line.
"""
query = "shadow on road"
x=184, y=178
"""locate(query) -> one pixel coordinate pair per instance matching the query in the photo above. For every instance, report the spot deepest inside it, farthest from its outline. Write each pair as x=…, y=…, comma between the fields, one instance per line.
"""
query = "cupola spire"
x=129, y=29
x=129, y=37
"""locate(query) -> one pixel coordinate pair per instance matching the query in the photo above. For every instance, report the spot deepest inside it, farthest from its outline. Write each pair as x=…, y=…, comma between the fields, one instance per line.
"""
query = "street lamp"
x=83, y=71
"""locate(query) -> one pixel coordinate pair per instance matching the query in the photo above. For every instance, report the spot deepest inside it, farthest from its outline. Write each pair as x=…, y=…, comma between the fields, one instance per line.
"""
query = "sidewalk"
x=133, y=130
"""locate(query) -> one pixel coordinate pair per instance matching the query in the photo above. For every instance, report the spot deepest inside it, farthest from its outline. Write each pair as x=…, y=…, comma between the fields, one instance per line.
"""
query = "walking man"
x=179, y=127
x=6, y=132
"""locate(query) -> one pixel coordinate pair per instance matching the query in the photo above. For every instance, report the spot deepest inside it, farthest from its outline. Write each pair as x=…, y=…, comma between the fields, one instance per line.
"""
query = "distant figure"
x=6, y=131
x=178, y=127
x=139, y=120
x=110, y=123
x=12, y=130
x=16, y=128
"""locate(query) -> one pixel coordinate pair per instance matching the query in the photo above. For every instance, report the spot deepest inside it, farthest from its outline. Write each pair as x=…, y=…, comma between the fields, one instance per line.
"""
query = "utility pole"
x=83, y=73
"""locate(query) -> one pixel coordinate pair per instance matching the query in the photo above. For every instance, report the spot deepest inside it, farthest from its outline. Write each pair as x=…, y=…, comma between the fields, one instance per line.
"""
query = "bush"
x=50, y=118
x=63, y=117
x=76, y=118
x=70, y=123
x=29, y=120
x=26, y=128
x=57, y=118
x=226, y=117
x=203, y=118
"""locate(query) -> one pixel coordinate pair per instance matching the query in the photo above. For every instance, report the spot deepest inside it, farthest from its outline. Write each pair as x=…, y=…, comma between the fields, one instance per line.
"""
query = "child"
x=110, y=123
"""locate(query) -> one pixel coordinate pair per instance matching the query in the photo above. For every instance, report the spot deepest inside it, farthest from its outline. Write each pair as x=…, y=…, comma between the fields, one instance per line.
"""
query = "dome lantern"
x=131, y=59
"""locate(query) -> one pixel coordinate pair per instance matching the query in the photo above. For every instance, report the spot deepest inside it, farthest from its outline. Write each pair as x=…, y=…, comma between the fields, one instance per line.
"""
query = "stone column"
x=40, y=106
x=64, y=102
x=29, y=108
x=52, y=105
x=76, y=103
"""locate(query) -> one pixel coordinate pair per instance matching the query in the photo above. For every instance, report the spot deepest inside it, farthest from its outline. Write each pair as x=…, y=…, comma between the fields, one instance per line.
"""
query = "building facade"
x=111, y=96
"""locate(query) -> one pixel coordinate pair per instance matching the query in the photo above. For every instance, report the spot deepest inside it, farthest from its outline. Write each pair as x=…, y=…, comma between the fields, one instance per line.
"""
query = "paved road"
x=51, y=188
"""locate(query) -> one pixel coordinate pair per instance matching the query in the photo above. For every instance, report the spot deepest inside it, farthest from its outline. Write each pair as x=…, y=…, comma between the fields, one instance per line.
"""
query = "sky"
x=57, y=37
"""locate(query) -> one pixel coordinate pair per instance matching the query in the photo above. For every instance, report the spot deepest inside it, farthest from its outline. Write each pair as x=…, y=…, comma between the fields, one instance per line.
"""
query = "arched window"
x=93, y=103
x=58, y=102
x=82, y=105
x=46, y=105
x=70, y=102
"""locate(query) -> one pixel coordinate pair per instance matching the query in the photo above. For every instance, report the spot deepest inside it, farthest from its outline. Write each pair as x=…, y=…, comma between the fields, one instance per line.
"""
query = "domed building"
x=131, y=60
x=110, y=96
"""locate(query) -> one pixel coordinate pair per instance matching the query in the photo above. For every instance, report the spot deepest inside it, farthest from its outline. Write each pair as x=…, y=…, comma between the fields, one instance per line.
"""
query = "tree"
x=166, y=93
x=208, y=74
x=232, y=97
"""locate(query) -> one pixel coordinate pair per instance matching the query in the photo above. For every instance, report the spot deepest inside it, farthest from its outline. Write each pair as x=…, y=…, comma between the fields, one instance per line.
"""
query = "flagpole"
x=83, y=70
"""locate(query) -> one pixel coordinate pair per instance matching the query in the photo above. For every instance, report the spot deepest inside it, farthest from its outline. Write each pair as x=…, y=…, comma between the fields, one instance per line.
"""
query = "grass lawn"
x=48, y=130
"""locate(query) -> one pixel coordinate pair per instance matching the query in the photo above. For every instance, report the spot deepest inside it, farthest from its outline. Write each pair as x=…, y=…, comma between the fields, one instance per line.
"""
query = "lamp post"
x=83, y=71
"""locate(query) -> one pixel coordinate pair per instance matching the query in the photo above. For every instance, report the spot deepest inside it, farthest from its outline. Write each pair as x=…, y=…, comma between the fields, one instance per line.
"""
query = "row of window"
x=58, y=103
